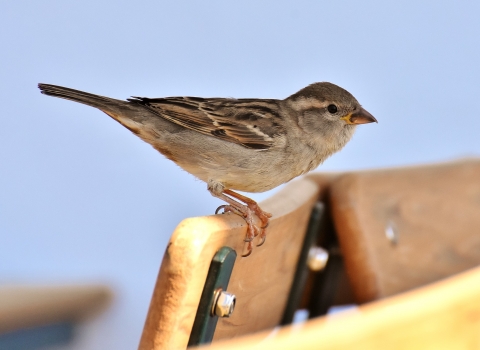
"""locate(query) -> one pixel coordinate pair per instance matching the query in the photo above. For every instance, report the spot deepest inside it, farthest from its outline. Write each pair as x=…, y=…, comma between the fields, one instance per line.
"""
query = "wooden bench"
x=386, y=232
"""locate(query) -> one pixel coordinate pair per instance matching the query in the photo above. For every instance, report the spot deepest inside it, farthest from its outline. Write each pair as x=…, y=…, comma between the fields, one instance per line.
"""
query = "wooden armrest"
x=261, y=281
x=442, y=315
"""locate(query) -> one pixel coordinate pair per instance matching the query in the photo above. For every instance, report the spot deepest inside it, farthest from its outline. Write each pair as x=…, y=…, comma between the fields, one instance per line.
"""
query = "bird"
x=246, y=144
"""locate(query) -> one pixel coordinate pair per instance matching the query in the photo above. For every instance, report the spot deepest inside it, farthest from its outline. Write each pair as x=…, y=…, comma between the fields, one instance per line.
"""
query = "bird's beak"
x=359, y=117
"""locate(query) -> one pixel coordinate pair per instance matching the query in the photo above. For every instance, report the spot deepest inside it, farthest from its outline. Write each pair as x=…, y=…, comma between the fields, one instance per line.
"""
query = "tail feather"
x=97, y=101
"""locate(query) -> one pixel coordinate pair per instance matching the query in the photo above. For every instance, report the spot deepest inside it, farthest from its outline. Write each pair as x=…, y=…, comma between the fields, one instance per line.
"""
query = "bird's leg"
x=245, y=212
x=262, y=215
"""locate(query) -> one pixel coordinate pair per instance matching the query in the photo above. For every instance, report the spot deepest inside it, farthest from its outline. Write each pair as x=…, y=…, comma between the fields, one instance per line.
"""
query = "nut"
x=223, y=304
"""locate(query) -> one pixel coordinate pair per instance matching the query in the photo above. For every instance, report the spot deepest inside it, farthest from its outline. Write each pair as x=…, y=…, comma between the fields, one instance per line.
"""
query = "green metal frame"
x=218, y=277
x=301, y=273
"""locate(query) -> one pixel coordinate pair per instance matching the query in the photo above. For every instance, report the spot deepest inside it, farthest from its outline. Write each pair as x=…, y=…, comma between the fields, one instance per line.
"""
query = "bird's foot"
x=247, y=211
x=252, y=230
x=255, y=208
x=264, y=218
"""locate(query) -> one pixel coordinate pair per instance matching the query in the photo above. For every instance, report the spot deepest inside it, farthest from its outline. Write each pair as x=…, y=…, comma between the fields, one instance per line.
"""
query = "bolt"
x=391, y=233
x=317, y=258
x=223, y=303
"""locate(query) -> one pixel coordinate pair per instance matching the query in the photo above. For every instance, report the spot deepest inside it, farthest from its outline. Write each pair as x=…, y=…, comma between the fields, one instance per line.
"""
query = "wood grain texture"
x=435, y=212
x=261, y=281
x=443, y=315
x=23, y=306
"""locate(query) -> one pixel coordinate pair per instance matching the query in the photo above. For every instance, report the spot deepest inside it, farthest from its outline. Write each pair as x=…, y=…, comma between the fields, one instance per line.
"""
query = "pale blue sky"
x=83, y=199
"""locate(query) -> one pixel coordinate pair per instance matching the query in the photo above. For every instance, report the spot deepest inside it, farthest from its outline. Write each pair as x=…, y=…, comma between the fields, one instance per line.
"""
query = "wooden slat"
x=23, y=306
x=435, y=212
x=443, y=315
x=261, y=281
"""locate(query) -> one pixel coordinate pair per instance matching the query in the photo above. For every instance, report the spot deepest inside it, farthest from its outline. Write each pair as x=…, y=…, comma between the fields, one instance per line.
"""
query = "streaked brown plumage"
x=250, y=145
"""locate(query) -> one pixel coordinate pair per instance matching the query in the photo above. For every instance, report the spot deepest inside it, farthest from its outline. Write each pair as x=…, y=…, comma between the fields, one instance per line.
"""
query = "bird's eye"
x=332, y=109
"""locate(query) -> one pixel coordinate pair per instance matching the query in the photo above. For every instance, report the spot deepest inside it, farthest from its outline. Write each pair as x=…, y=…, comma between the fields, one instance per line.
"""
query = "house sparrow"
x=250, y=145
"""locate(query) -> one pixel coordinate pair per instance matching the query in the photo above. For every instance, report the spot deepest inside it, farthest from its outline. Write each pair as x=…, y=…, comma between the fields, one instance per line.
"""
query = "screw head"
x=317, y=258
x=391, y=233
x=223, y=303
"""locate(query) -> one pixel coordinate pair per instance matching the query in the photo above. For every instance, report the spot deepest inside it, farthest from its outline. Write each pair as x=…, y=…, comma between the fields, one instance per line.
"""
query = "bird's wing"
x=252, y=123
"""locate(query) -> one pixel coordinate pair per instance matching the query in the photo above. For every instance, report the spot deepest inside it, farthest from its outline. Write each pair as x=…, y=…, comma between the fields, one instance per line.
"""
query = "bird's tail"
x=101, y=102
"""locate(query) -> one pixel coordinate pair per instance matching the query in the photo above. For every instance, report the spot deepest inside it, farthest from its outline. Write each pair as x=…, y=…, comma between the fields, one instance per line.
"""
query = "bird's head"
x=324, y=107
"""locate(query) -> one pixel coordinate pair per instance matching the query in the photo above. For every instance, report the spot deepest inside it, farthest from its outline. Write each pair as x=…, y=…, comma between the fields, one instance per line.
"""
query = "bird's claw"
x=249, y=250
x=220, y=208
x=264, y=238
x=247, y=254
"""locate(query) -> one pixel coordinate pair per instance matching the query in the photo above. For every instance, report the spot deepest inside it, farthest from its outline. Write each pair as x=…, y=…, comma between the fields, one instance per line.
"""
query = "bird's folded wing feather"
x=249, y=122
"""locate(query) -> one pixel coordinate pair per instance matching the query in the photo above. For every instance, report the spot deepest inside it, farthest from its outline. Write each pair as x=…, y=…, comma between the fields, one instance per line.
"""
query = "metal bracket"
x=301, y=272
x=217, y=279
